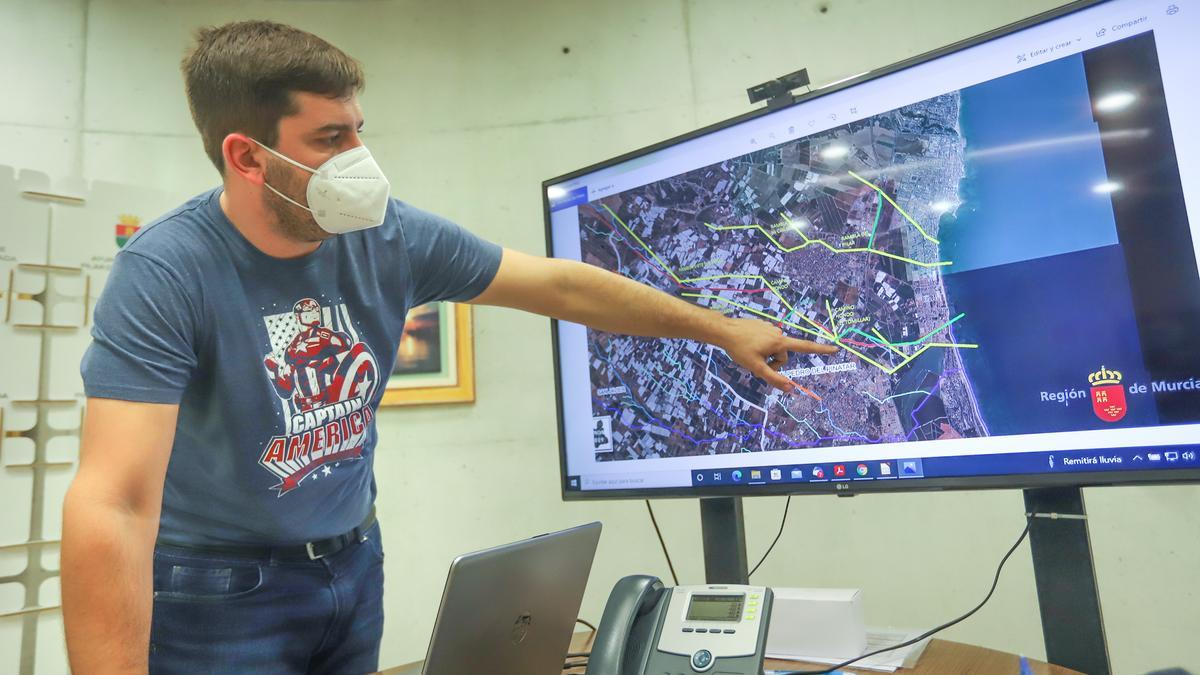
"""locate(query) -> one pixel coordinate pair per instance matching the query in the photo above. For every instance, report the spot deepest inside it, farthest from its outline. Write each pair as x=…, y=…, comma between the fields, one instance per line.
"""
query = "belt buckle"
x=308, y=547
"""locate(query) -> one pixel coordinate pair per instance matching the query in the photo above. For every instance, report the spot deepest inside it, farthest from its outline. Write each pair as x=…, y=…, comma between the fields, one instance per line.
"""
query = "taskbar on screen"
x=1051, y=462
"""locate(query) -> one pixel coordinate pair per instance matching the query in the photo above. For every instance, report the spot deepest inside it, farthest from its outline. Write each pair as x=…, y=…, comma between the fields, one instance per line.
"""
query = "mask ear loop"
x=291, y=161
x=287, y=198
x=282, y=156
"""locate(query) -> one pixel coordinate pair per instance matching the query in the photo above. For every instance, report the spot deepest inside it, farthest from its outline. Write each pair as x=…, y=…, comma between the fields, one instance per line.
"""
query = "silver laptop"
x=511, y=610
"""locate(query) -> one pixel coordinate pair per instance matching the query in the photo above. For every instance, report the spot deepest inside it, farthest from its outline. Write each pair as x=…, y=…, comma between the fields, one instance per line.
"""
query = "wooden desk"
x=943, y=656
x=940, y=657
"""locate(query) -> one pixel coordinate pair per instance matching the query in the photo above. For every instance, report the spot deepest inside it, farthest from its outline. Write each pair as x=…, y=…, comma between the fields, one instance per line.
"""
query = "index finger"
x=808, y=346
x=775, y=379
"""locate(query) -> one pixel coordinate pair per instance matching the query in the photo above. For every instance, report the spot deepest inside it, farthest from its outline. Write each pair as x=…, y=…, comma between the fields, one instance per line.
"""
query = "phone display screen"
x=716, y=608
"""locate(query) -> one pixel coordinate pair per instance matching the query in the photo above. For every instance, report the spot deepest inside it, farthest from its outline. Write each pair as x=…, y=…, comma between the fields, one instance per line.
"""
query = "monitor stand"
x=724, y=533
x=1072, y=625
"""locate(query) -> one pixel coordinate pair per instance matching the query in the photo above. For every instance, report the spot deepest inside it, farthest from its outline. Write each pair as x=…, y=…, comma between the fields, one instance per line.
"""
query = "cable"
x=662, y=543
x=589, y=640
x=922, y=636
x=777, y=536
x=581, y=656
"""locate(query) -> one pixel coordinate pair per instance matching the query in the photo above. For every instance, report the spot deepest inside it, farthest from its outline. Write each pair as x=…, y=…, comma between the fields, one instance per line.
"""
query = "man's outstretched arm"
x=574, y=291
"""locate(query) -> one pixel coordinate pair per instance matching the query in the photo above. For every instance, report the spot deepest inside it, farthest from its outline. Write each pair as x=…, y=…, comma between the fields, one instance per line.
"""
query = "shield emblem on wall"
x=127, y=225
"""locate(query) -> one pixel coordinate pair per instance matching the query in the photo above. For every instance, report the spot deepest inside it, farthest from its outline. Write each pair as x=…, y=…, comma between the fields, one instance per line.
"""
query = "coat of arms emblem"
x=127, y=225
x=1108, y=398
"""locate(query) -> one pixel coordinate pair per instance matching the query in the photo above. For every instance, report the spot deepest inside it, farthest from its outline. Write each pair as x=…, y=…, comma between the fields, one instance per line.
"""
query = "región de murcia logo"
x=1108, y=398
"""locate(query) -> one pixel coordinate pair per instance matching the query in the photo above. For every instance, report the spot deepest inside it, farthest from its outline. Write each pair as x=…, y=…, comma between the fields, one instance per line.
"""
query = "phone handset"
x=627, y=627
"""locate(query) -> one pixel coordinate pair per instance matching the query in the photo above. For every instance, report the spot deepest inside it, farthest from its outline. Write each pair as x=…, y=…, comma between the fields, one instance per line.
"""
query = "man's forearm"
x=107, y=587
x=586, y=294
x=589, y=294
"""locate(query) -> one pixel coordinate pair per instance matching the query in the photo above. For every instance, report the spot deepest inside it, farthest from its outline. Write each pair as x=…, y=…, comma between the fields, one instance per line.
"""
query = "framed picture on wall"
x=436, y=358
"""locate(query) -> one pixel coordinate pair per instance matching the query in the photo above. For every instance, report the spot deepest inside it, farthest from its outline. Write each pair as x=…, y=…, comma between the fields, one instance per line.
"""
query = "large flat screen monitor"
x=996, y=235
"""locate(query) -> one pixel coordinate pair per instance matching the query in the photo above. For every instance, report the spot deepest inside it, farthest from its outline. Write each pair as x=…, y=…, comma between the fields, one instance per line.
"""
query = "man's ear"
x=243, y=157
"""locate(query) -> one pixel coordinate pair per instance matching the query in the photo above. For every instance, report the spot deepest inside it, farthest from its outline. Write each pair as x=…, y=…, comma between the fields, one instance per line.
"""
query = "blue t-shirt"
x=277, y=365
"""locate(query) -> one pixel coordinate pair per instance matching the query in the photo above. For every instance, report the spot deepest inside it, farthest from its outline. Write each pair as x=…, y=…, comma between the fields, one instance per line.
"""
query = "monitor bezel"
x=838, y=488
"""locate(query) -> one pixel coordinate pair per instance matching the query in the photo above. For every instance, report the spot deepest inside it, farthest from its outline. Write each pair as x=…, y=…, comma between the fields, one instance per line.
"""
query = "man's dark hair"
x=240, y=77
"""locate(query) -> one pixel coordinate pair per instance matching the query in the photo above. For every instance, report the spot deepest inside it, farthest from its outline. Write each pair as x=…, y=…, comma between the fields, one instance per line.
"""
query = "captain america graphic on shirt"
x=324, y=377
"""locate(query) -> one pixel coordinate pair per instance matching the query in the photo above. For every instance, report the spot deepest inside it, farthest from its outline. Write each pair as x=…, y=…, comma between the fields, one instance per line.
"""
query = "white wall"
x=469, y=105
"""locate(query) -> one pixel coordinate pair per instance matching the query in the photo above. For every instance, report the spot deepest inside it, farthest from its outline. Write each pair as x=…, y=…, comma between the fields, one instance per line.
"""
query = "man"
x=222, y=516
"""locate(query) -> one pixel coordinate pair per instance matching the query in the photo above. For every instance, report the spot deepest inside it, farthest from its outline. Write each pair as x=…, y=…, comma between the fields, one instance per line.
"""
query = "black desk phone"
x=649, y=629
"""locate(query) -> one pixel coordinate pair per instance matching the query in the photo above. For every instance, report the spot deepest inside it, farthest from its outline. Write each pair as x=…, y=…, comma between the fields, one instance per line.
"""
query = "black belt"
x=313, y=550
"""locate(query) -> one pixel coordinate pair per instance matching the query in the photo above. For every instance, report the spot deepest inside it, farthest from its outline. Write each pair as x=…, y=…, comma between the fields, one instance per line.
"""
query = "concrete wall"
x=469, y=105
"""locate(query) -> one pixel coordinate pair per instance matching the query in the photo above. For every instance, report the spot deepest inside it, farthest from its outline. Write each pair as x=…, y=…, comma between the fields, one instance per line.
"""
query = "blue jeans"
x=216, y=613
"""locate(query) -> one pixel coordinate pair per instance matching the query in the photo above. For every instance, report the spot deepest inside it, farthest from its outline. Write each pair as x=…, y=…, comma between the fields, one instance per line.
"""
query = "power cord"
x=580, y=659
x=932, y=631
x=770, y=548
x=662, y=543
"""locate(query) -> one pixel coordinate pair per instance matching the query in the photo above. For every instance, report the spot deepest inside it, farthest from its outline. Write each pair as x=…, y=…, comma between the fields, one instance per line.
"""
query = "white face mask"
x=348, y=192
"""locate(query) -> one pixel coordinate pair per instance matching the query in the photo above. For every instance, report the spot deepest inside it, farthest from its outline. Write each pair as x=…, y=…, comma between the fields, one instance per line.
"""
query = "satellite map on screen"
x=958, y=249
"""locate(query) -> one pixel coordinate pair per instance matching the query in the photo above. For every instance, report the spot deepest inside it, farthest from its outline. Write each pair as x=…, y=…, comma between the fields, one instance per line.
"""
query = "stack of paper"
x=877, y=638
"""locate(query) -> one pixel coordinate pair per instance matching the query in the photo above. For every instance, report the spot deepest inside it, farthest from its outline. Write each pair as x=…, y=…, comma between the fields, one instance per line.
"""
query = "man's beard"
x=291, y=221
